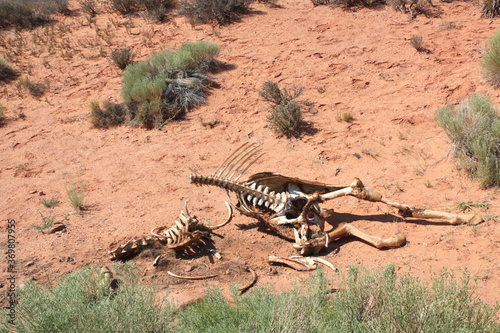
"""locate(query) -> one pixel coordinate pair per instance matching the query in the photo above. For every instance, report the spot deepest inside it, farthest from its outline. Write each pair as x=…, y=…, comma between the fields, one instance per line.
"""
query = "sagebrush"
x=474, y=129
x=491, y=60
x=286, y=113
x=221, y=12
x=29, y=13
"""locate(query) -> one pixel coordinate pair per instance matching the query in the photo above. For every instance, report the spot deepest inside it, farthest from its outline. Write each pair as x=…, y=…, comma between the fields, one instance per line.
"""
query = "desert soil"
x=135, y=179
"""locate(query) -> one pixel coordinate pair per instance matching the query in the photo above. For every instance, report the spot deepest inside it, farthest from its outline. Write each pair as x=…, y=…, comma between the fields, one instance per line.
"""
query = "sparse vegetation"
x=169, y=83
x=346, y=116
x=47, y=222
x=123, y=57
x=76, y=195
x=490, y=8
x=491, y=60
x=36, y=89
x=7, y=73
x=157, y=9
x=49, y=203
x=368, y=301
x=468, y=205
x=2, y=114
x=474, y=129
x=112, y=114
x=221, y=12
x=29, y=13
x=89, y=7
x=417, y=41
x=286, y=114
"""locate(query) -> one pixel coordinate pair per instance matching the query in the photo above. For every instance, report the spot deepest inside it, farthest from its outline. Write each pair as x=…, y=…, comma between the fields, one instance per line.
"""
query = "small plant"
x=286, y=114
x=89, y=7
x=76, y=195
x=49, y=203
x=417, y=42
x=158, y=9
x=113, y=114
x=221, y=12
x=491, y=60
x=47, y=222
x=468, y=205
x=490, y=8
x=7, y=73
x=2, y=113
x=122, y=58
x=346, y=116
x=124, y=7
x=474, y=129
x=36, y=89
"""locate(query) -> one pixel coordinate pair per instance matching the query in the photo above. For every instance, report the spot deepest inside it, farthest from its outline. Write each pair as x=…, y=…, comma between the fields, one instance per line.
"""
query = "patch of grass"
x=221, y=12
x=346, y=116
x=49, y=203
x=367, y=301
x=491, y=60
x=123, y=57
x=47, y=222
x=474, y=129
x=87, y=300
x=7, y=73
x=169, y=84
x=468, y=205
x=286, y=114
x=76, y=195
x=490, y=8
x=112, y=114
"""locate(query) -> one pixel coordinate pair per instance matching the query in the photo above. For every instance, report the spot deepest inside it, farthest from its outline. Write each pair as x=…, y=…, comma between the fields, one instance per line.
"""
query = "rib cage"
x=249, y=193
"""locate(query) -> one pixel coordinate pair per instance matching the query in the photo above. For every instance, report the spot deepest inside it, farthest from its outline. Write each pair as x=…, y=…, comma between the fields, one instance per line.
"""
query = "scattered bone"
x=58, y=226
x=215, y=254
x=245, y=288
x=299, y=264
x=192, y=277
x=319, y=261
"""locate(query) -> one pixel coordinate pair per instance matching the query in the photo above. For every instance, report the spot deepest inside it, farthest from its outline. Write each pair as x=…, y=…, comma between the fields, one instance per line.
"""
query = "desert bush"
x=2, y=114
x=122, y=58
x=88, y=301
x=491, y=60
x=221, y=12
x=169, y=83
x=158, y=9
x=112, y=114
x=76, y=195
x=286, y=114
x=89, y=7
x=125, y=7
x=29, y=13
x=7, y=73
x=490, y=8
x=474, y=129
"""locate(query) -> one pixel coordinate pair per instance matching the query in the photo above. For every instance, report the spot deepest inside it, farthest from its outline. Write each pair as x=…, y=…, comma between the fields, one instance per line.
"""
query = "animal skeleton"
x=278, y=200
x=186, y=232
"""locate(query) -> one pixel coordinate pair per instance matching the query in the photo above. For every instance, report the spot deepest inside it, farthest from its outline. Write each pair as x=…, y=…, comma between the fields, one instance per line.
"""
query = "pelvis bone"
x=278, y=200
x=186, y=232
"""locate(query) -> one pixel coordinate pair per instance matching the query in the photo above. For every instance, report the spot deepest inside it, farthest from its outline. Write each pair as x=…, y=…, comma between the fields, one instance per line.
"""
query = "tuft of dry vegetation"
x=222, y=12
x=112, y=114
x=30, y=13
x=36, y=89
x=123, y=57
x=417, y=41
x=89, y=7
x=286, y=114
x=490, y=8
x=474, y=129
x=7, y=73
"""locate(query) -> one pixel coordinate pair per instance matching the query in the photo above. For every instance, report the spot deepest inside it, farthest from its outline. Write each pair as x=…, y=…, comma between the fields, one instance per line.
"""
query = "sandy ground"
x=134, y=179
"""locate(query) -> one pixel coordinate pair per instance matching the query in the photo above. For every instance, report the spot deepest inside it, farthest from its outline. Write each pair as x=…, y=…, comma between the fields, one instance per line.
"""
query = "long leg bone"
x=358, y=190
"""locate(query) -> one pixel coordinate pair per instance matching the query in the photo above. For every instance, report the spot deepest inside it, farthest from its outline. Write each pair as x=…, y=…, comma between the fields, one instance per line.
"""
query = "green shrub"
x=474, y=129
x=76, y=195
x=490, y=8
x=7, y=73
x=491, y=60
x=214, y=11
x=84, y=301
x=286, y=114
x=113, y=114
x=169, y=83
